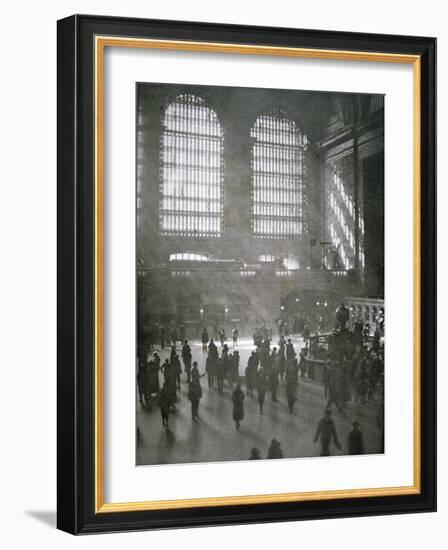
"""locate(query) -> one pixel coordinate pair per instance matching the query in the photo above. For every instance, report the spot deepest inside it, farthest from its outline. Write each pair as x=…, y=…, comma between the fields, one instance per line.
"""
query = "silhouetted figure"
x=194, y=395
x=275, y=450
x=273, y=379
x=195, y=372
x=210, y=369
x=204, y=338
x=251, y=373
x=291, y=384
x=290, y=353
x=235, y=367
x=222, y=336
x=169, y=374
x=186, y=358
x=326, y=431
x=162, y=335
x=235, y=337
x=153, y=377
x=262, y=385
x=255, y=454
x=238, y=406
x=355, y=441
x=220, y=375
x=165, y=405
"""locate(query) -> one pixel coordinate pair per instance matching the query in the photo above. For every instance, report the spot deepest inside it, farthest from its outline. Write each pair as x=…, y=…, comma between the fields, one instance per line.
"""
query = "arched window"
x=191, y=169
x=278, y=177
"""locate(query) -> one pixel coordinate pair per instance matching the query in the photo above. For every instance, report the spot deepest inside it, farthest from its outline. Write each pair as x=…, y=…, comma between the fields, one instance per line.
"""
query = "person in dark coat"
x=275, y=450
x=355, y=441
x=238, y=405
x=186, y=358
x=290, y=353
x=273, y=377
x=212, y=349
x=177, y=369
x=235, y=337
x=162, y=336
x=220, y=375
x=251, y=373
x=303, y=363
x=169, y=374
x=306, y=334
x=195, y=372
x=255, y=454
x=222, y=336
x=326, y=432
x=142, y=381
x=291, y=384
x=165, y=405
x=235, y=367
x=204, y=338
x=336, y=386
x=262, y=385
x=153, y=377
x=210, y=369
x=194, y=395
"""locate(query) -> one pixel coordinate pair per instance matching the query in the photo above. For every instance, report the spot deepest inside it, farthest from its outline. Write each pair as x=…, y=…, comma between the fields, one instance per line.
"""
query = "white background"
x=28, y=272
x=126, y=483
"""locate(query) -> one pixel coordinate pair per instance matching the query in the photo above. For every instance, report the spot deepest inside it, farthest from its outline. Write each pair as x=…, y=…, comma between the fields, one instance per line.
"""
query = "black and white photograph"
x=260, y=320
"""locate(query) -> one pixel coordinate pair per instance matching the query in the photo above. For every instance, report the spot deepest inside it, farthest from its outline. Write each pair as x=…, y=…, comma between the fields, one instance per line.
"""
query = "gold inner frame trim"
x=101, y=42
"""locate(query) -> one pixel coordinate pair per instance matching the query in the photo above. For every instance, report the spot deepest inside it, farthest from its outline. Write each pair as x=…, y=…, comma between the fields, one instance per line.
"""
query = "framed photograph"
x=246, y=272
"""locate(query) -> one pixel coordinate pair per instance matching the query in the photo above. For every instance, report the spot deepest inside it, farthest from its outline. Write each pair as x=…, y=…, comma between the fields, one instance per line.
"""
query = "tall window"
x=278, y=177
x=191, y=169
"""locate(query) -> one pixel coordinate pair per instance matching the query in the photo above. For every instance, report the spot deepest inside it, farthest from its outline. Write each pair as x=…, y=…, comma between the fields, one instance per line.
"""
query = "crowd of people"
x=351, y=369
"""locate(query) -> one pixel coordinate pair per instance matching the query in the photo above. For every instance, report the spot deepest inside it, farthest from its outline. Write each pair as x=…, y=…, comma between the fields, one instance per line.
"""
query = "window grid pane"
x=191, y=169
x=279, y=174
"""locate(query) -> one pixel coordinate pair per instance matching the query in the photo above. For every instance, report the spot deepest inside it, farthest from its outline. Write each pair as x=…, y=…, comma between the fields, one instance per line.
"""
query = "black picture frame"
x=76, y=256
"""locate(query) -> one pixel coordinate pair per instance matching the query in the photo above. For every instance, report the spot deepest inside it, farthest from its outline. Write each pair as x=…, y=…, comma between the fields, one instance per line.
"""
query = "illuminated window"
x=291, y=262
x=188, y=256
x=278, y=177
x=191, y=169
x=266, y=258
x=341, y=226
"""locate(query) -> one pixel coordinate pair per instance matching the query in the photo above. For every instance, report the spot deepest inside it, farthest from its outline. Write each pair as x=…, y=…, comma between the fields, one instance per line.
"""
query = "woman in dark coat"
x=238, y=405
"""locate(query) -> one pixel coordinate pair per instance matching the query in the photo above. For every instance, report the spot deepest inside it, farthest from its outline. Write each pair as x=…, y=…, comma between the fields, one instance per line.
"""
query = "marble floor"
x=213, y=437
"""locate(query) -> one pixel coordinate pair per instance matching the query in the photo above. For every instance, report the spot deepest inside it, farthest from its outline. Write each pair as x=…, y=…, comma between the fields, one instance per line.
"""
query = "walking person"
x=220, y=375
x=251, y=373
x=210, y=369
x=273, y=378
x=194, y=395
x=262, y=385
x=165, y=405
x=186, y=358
x=326, y=432
x=235, y=337
x=204, y=338
x=292, y=384
x=238, y=405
